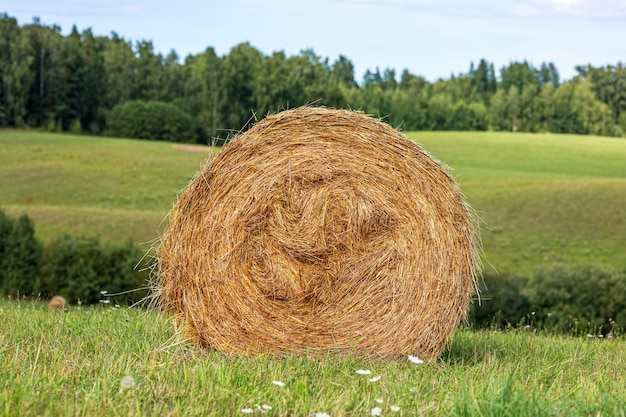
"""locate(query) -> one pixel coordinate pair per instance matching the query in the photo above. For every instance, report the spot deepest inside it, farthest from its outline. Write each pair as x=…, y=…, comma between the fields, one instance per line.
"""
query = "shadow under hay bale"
x=320, y=229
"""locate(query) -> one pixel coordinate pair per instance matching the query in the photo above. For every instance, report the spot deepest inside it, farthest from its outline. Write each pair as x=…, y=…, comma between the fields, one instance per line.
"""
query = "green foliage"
x=81, y=269
x=472, y=116
x=53, y=126
x=518, y=75
x=75, y=127
x=54, y=81
x=578, y=298
x=570, y=299
x=19, y=255
x=622, y=123
x=151, y=120
x=77, y=268
x=501, y=302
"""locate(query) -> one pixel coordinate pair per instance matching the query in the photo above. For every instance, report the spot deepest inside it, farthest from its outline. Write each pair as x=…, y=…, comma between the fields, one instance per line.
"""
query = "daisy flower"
x=415, y=359
x=127, y=382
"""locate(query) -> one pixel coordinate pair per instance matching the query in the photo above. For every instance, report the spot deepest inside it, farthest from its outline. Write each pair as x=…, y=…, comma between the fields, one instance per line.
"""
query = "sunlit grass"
x=116, y=189
x=542, y=198
x=79, y=362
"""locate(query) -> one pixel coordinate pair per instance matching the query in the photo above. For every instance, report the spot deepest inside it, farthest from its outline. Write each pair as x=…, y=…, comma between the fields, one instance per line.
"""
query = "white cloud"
x=595, y=9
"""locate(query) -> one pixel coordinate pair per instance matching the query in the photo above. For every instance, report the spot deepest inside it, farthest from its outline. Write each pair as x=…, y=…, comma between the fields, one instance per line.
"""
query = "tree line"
x=80, y=82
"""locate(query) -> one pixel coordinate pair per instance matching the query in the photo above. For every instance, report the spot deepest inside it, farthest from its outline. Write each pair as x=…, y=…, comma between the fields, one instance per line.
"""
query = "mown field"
x=541, y=198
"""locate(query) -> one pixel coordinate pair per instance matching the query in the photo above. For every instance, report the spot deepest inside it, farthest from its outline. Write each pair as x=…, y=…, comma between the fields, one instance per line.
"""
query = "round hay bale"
x=319, y=229
x=58, y=302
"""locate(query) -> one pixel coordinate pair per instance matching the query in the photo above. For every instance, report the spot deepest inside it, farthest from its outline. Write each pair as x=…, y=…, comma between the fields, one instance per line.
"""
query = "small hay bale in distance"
x=319, y=229
x=58, y=302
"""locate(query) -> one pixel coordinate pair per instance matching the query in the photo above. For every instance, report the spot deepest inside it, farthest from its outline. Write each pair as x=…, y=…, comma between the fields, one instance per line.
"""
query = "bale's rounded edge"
x=320, y=229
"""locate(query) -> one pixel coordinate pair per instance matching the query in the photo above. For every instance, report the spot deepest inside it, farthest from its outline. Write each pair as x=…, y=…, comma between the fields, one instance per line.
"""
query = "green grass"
x=112, y=188
x=542, y=198
x=72, y=362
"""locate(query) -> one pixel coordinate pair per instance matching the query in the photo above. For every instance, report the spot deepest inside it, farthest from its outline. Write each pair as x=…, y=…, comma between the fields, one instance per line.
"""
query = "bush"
x=502, y=301
x=81, y=269
x=77, y=268
x=153, y=120
x=19, y=255
x=581, y=298
x=566, y=299
x=76, y=128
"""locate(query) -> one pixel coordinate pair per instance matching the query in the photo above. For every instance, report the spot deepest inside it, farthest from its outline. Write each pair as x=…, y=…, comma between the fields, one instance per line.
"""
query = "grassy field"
x=78, y=362
x=113, y=188
x=541, y=198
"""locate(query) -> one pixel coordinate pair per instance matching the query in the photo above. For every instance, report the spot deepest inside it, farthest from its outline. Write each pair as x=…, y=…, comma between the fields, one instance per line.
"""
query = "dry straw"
x=320, y=229
x=57, y=302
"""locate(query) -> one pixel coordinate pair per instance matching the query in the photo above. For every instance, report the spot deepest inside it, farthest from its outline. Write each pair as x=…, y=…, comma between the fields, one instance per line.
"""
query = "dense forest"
x=104, y=84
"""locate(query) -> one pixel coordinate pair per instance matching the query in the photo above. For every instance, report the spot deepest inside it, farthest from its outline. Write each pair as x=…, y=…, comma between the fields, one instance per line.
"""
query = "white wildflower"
x=377, y=411
x=322, y=414
x=127, y=382
x=278, y=383
x=247, y=410
x=363, y=371
x=375, y=379
x=415, y=359
x=413, y=389
x=263, y=408
x=394, y=408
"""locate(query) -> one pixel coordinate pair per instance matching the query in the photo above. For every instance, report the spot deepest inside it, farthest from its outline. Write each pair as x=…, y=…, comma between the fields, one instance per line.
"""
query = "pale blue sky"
x=431, y=38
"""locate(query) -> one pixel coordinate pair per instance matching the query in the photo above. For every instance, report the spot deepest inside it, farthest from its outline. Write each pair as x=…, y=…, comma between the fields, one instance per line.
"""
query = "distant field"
x=541, y=198
x=113, y=188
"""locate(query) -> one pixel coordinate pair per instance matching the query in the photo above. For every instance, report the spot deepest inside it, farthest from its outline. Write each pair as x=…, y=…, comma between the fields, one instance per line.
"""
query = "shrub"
x=578, y=298
x=76, y=128
x=570, y=299
x=19, y=255
x=153, y=120
x=502, y=301
x=81, y=269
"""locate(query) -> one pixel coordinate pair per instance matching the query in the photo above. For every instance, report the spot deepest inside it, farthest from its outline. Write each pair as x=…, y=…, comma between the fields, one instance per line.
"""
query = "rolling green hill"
x=541, y=198
x=112, y=188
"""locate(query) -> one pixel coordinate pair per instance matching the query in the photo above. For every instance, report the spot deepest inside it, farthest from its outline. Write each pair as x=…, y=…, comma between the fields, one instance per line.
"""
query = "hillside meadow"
x=541, y=198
